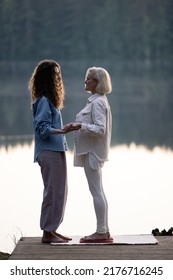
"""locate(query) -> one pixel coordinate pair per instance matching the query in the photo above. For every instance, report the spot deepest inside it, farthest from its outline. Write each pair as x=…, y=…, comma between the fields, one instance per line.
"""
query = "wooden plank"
x=31, y=248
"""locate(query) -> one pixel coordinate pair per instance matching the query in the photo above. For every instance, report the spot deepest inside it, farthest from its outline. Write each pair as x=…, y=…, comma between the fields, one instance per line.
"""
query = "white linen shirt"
x=94, y=137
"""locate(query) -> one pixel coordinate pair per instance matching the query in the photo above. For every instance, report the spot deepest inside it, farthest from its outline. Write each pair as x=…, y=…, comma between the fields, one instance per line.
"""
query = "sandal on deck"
x=86, y=240
x=97, y=238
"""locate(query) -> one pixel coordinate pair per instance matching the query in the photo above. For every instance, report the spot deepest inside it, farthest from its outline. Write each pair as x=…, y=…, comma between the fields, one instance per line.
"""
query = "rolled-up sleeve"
x=98, y=116
x=43, y=118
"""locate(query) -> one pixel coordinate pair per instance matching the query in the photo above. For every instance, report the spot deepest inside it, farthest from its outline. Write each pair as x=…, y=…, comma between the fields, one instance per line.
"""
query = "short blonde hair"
x=102, y=76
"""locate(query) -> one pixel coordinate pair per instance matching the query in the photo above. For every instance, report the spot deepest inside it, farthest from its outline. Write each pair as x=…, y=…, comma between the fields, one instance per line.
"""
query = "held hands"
x=71, y=127
x=67, y=128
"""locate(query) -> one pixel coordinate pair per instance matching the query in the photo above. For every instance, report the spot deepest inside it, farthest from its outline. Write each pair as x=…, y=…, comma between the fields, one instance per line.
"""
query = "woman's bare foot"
x=50, y=237
x=62, y=236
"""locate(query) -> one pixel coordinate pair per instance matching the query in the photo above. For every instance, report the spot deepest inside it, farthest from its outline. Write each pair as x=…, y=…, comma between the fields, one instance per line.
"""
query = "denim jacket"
x=46, y=117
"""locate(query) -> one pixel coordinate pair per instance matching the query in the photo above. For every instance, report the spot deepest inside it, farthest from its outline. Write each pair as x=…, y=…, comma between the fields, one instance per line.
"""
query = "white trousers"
x=94, y=178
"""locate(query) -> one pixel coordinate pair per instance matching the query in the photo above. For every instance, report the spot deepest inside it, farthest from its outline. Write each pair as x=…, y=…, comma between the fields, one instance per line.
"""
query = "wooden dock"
x=31, y=248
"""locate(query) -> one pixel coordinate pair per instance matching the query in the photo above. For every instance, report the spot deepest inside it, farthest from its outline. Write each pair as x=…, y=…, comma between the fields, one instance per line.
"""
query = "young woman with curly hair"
x=47, y=95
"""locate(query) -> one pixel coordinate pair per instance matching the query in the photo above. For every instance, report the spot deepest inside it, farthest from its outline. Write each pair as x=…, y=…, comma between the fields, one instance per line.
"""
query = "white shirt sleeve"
x=98, y=116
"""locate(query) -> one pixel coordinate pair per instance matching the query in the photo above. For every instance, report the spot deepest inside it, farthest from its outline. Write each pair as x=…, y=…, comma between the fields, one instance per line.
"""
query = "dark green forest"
x=84, y=29
x=132, y=39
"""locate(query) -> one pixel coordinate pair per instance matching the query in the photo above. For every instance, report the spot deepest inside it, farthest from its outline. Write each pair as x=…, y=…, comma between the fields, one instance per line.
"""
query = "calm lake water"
x=138, y=183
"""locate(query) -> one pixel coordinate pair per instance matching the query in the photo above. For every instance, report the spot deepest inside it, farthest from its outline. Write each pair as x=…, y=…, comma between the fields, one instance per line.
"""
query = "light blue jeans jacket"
x=46, y=117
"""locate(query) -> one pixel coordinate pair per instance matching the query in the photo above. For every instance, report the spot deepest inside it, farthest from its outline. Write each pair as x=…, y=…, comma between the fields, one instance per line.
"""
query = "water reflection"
x=138, y=183
x=141, y=100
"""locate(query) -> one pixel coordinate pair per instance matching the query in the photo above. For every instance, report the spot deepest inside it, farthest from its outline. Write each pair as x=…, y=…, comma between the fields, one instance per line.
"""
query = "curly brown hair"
x=46, y=80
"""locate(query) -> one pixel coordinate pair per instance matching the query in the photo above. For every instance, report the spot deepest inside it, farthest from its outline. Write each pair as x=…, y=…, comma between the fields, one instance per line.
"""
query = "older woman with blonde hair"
x=92, y=142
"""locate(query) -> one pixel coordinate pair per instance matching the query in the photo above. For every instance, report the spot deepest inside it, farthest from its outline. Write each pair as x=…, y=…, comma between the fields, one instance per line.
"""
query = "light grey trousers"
x=54, y=175
x=94, y=178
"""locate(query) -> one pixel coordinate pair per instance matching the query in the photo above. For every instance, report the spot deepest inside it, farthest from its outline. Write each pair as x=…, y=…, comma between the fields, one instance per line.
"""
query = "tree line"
x=86, y=29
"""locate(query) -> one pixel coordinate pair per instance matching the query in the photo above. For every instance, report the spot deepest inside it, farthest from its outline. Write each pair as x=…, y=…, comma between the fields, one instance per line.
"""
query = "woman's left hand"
x=71, y=127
